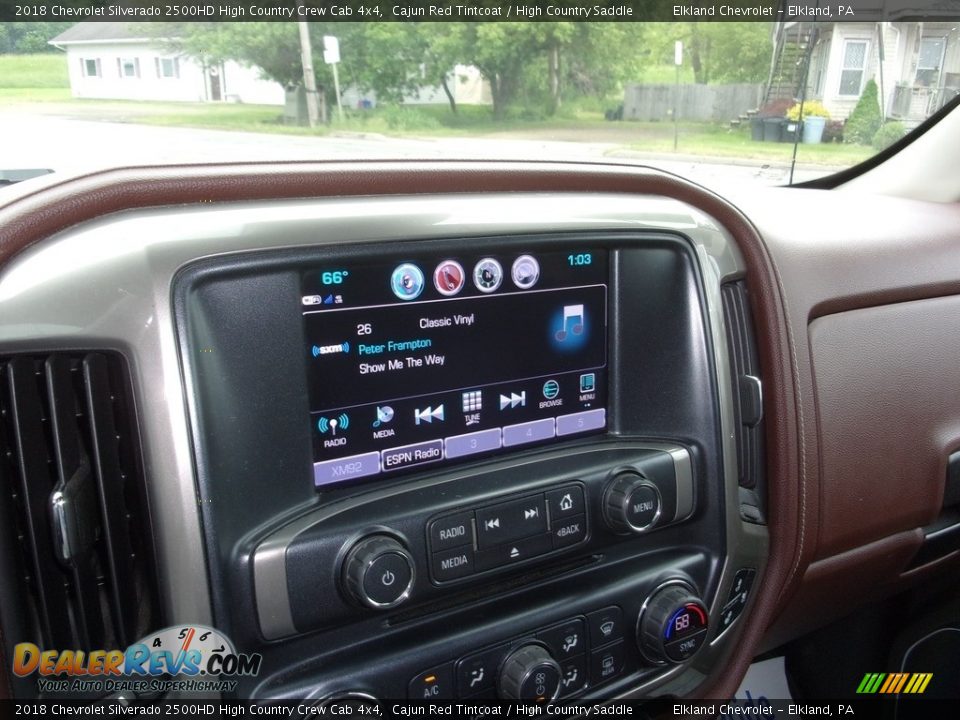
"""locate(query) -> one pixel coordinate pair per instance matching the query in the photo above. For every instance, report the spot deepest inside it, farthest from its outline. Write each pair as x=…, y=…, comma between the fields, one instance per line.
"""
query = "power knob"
x=378, y=572
x=631, y=503
x=530, y=673
x=672, y=625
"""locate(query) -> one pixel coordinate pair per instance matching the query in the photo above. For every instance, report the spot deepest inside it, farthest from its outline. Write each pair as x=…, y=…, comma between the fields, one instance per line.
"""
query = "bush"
x=888, y=135
x=865, y=119
x=833, y=132
x=811, y=108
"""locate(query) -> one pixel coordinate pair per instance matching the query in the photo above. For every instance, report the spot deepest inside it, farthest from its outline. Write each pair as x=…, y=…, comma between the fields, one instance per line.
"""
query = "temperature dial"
x=673, y=625
x=378, y=572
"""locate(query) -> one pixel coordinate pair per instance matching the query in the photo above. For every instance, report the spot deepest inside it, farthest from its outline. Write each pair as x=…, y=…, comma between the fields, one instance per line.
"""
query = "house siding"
x=238, y=83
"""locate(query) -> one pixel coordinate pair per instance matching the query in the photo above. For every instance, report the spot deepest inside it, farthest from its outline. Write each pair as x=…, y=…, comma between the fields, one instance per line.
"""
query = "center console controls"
x=427, y=543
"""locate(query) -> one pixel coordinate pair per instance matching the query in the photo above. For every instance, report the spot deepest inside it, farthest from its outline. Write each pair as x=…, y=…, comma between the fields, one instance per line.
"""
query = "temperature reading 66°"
x=333, y=277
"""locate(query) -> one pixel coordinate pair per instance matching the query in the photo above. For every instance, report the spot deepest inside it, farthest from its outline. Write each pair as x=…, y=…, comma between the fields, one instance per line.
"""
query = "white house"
x=112, y=60
x=916, y=65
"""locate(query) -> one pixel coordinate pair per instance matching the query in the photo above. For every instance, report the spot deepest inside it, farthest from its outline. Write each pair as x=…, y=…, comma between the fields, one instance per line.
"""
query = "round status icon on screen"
x=449, y=277
x=407, y=281
x=487, y=275
x=525, y=272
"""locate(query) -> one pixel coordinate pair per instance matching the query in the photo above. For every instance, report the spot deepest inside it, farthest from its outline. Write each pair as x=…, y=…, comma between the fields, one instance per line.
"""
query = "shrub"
x=865, y=119
x=811, y=108
x=833, y=132
x=888, y=135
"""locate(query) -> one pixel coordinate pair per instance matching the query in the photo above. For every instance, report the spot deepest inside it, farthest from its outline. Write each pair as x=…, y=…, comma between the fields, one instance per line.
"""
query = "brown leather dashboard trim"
x=43, y=208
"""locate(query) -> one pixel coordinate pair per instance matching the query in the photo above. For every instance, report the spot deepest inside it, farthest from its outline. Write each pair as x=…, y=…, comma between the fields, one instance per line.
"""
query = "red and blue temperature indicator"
x=687, y=620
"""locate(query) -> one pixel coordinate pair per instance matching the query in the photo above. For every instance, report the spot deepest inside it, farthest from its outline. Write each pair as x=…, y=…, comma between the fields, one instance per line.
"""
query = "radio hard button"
x=566, y=502
x=451, y=531
x=569, y=531
x=452, y=564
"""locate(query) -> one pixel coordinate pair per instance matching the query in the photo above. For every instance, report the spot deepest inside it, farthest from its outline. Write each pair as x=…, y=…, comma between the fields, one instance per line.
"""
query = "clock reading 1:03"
x=579, y=259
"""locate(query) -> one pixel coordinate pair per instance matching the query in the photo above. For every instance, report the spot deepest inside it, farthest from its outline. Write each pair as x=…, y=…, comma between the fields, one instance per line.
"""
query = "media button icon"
x=525, y=272
x=513, y=400
x=449, y=278
x=487, y=275
x=407, y=281
x=429, y=414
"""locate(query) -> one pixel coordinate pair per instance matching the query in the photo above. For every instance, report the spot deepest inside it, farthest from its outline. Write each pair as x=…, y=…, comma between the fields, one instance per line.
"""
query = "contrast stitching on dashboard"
x=803, y=449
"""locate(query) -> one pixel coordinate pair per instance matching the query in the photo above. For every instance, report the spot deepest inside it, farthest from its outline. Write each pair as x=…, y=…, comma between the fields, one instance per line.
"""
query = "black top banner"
x=478, y=10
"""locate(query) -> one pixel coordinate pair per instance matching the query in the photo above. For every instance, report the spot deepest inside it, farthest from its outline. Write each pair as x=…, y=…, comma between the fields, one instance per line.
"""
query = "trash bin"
x=771, y=129
x=813, y=129
x=789, y=130
x=756, y=129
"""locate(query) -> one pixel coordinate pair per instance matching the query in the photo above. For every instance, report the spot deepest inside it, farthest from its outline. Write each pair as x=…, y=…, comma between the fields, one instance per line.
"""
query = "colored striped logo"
x=894, y=683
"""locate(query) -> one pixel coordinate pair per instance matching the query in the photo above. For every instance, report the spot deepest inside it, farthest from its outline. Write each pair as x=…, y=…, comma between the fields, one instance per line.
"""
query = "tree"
x=29, y=37
x=720, y=52
x=865, y=120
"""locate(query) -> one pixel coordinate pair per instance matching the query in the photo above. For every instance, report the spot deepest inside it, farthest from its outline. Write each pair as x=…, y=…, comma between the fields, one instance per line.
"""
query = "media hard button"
x=513, y=552
x=348, y=468
x=452, y=564
x=569, y=531
x=511, y=521
x=566, y=502
x=451, y=531
x=410, y=455
x=606, y=625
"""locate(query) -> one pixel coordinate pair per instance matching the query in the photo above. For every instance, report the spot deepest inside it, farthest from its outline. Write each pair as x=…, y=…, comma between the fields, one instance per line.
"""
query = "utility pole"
x=309, y=79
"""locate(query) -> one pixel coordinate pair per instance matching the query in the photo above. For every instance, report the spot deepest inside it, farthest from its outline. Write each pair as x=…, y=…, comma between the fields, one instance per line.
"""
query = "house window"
x=168, y=67
x=128, y=67
x=91, y=67
x=854, y=64
x=929, y=61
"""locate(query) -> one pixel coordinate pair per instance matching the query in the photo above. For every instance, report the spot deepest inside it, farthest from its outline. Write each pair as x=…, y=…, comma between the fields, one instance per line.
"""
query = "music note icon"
x=572, y=321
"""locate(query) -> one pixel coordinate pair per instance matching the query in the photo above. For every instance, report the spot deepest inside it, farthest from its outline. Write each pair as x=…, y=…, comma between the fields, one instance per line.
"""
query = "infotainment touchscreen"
x=427, y=360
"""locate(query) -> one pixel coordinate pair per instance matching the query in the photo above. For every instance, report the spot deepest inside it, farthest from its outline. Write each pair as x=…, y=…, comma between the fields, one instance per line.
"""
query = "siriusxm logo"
x=319, y=350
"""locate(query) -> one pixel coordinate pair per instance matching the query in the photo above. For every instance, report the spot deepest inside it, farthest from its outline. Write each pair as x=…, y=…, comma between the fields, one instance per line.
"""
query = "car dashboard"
x=467, y=430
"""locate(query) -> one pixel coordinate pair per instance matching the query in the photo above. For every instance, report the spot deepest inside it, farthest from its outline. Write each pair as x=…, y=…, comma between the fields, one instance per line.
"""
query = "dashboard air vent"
x=747, y=390
x=76, y=540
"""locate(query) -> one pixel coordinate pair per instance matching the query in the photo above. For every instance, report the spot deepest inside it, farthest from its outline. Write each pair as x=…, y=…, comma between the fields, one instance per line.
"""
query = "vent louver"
x=747, y=393
x=76, y=543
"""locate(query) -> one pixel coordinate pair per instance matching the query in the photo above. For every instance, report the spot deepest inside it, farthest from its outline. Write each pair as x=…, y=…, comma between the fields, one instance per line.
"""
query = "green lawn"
x=46, y=71
x=42, y=79
x=720, y=141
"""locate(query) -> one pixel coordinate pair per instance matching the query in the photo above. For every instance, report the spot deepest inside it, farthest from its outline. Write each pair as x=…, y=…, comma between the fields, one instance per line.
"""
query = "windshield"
x=760, y=99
